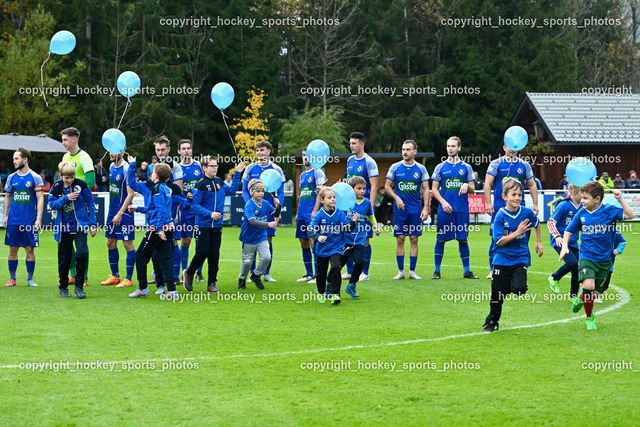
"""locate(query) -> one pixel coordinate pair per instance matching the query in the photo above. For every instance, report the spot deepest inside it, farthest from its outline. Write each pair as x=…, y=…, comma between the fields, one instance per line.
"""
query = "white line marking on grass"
x=624, y=300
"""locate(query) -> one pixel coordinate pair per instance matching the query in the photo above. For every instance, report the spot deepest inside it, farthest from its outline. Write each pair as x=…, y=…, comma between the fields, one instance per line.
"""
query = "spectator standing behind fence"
x=618, y=182
x=563, y=183
x=101, y=176
x=606, y=181
x=633, y=182
x=4, y=172
x=141, y=172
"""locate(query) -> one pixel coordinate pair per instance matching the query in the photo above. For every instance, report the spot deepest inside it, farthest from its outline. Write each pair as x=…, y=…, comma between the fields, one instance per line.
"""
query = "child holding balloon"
x=328, y=228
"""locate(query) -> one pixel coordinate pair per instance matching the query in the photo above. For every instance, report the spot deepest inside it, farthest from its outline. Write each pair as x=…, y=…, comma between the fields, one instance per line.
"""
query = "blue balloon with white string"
x=114, y=141
x=128, y=84
x=580, y=170
x=62, y=42
x=318, y=153
x=271, y=179
x=611, y=200
x=516, y=138
x=345, y=196
x=222, y=95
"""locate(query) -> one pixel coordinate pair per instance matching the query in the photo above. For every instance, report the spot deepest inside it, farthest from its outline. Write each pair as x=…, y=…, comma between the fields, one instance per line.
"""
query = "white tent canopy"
x=40, y=143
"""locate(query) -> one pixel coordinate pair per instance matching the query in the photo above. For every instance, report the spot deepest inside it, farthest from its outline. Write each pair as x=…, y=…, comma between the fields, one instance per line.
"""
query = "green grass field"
x=405, y=353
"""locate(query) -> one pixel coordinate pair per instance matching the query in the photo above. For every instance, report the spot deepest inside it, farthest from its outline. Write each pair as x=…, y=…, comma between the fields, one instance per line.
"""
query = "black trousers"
x=207, y=246
x=356, y=252
x=506, y=279
x=152, y=246
x=335, y=280
x=65, y=254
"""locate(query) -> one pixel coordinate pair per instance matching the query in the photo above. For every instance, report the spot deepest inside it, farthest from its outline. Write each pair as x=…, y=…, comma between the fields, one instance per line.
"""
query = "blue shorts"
x=302, y=225
x=126, y=230
x=21, y=235
x=453, y=226
x=407, y=223
x=186, y=225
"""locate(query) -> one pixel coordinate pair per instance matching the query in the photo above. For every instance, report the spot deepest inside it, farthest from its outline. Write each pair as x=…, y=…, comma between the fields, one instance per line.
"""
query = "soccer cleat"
x=591, y=324
x=313, y=280
x=470, y=275
x=489, y=276
x=160, y=290
x=171, y=295
x=242, y=283
x=187, y=280
x=111, y=280
x=64, y=293
x=490, y=326
x=268, y=278
x=414, y=276
x=346, y=276
x=199, y=277
x=399, y=276
x=305, y=278
x=576, y=305
x=140, y=293
x=212, y=288
x=256, y=280
x=80, y=292
x=321, y=298
x=31, y=283
x=11, y=282
x=335, y=299
x=124, y=284
x=351, y=291
x=597, y=300
x=554, y=285
x=363, y=277
x=436, y=275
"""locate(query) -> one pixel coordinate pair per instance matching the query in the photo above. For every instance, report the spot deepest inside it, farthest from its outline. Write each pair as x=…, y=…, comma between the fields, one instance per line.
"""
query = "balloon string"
x=229, y=133
x=42, y=78
x=125, y=112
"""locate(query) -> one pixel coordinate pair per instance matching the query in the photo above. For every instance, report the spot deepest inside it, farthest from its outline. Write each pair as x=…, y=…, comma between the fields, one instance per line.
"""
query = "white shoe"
x=414, y=276
x=312, y=281
x=268, y=278
x=598, y=300
x=305, y=278
x=363, y=277
x=346, y=275
x=489, y=276
x=399, y=276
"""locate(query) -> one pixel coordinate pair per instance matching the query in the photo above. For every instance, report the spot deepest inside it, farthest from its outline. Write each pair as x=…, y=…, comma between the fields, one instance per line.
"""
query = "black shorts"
x=507, y=279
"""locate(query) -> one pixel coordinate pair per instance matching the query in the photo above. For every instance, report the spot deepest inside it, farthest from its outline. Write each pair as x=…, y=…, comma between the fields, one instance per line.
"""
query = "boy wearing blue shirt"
x=512, y=229
x=208, y=205
x=77, y=213
x=597, y=224
x=328, y=228
x=253, y=233
x=355, y=241
x=157, y=242
x=559, y=221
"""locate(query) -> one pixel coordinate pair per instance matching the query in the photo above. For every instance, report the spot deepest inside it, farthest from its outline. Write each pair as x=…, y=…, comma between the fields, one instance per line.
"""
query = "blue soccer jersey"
x=334, y=226
x=560, y=220
x=517, y=251
x=191, y=174
x=358, y=235
x=248, y=233
x=309, y=180
x=117, y=189
x=451, y=177
x=502, y=168
x=365, y=167
x=598, y=229
x=23, y=209
x=253, y=171
x=407, y=182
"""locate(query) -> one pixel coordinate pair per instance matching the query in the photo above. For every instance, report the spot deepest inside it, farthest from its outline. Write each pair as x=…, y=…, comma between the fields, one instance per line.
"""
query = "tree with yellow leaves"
x=252, y=126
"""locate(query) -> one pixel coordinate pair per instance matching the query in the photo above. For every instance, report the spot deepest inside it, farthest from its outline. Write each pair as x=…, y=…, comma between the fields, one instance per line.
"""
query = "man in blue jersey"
x=456, y=179
x=191, y=174
x=120, y=224
x=23, y=206
x=509, y=166
x=408, y=184
x=253, y=171
x=310, y=180
x=361, y=164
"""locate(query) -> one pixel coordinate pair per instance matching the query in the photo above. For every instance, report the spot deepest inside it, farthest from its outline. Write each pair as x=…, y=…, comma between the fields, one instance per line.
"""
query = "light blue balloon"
x=114, y=141
x=611, y=200
x=271, y=179
x=128, y=84
x=222, y=95
x=318, y=153
x=516, y=138
x=580, y=170
x=62, y=42
x=345, y=196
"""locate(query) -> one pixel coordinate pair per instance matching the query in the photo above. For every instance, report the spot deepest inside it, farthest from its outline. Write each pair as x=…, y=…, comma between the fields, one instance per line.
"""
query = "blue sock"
x=176, y=261
x=306, y=258
x=438, y=253
x=400, y=260
x=13, y=266
x=413, y=260
x=31, y=266
x=114, y=260
x=268, y=270
x=367, y=259
x=184, y=252
x=464, y=255
x=349, y=265
x=131, y=262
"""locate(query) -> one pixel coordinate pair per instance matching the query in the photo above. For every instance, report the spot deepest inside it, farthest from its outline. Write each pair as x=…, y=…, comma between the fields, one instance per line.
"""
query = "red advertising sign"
x=476, y=203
